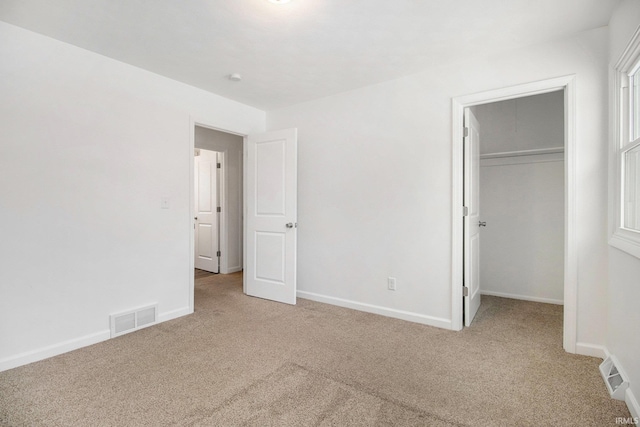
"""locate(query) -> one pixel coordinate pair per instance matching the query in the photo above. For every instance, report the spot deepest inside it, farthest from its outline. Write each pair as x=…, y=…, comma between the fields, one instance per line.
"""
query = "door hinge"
x=466, y=132
x=465, y=291
x=219, y=209
x=465, y=211
x=219, y=253
x=219, y=165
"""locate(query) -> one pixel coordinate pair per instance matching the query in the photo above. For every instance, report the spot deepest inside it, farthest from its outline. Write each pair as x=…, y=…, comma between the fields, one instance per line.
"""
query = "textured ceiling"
x=304, y=49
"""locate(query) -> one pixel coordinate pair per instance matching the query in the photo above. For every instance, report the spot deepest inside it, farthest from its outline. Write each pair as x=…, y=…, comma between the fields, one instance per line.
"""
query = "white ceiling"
x=304, y=49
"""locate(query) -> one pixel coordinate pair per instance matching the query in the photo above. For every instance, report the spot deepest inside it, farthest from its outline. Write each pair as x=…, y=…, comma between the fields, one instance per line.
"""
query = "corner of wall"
x=593, y=350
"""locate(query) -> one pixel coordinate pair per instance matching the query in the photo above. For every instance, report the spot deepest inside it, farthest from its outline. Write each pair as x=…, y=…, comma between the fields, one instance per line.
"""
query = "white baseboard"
x=632, y=404
x=53, y=350
x=74, y=344
x=522, y=297
x=592, y=350
x=229, y=270
x=384, y=311
x=170, y=315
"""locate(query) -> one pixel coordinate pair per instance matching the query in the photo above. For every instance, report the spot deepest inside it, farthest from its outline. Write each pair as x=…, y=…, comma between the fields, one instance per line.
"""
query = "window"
x=634, y=82
x=626, y=149
x=631, y=211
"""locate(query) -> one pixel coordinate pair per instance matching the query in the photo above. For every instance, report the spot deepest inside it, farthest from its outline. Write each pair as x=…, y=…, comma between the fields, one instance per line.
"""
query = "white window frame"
x=622, y=126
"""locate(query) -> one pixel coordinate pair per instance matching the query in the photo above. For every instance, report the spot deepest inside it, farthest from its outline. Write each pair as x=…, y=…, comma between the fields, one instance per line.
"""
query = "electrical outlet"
x=391, y=283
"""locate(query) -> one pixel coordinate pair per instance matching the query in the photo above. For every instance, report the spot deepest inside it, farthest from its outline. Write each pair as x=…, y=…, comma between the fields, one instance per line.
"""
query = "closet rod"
x=520, y=153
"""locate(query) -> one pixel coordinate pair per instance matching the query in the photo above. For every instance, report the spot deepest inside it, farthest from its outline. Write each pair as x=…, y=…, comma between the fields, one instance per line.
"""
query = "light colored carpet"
x=245, y=361
x=295, y=396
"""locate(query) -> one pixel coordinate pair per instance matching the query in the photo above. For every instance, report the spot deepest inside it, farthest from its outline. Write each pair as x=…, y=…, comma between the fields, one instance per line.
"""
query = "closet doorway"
x=521, y=197
x=461, y=297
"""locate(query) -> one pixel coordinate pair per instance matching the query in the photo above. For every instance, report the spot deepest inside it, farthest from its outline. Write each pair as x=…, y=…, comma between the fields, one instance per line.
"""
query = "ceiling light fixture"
x=235, y=77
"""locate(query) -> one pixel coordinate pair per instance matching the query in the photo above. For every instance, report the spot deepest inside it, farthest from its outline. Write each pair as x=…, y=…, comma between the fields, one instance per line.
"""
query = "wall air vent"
x=614, y=378
x=132, y=320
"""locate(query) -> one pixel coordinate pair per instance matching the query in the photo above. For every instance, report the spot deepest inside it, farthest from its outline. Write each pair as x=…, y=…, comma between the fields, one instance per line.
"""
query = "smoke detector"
x=235, y=77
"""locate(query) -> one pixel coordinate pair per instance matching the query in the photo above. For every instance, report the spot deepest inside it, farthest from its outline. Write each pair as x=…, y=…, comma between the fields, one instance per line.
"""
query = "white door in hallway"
x=472, y=218
x=271, y=216
x=206, y=211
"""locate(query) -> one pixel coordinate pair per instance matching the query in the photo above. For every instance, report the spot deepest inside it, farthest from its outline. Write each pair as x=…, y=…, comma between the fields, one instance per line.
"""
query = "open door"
x=472, y=217
x=206, y=211
x=271, y=216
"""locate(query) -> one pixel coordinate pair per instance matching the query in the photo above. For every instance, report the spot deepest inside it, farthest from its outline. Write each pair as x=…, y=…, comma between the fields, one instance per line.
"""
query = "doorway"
x=231, y=146
x=521, y=183
x=228, y=148
x=230, y=194
x=260, y=186
x=565, y=85
x=518, y=214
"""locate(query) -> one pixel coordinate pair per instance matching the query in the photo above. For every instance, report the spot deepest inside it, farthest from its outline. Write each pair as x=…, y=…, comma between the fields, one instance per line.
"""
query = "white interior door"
x=206, y=211
x=271, y=218
x=472, y=218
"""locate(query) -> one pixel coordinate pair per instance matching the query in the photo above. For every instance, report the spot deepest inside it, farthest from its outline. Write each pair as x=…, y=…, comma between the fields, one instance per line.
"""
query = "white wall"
x=533, y=122
x=89, y=147
x=522, y=198
x=522, y=246
x=623, y=339
x=375, y=183
x=231, y=146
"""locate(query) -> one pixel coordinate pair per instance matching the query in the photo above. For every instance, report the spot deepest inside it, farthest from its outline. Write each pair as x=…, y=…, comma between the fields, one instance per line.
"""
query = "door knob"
x=289, y=225
x=196, y=218
x=482, y=223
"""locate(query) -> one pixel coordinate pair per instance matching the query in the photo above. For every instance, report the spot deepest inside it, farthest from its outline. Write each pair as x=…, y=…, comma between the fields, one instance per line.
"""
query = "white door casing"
x=458, y=106
x=206, y=215
x=271, y=215
x=472, y=218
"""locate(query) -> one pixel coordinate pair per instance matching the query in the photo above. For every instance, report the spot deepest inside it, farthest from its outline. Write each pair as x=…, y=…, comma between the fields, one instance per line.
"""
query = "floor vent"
x=614, y=378
x=132, y=320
